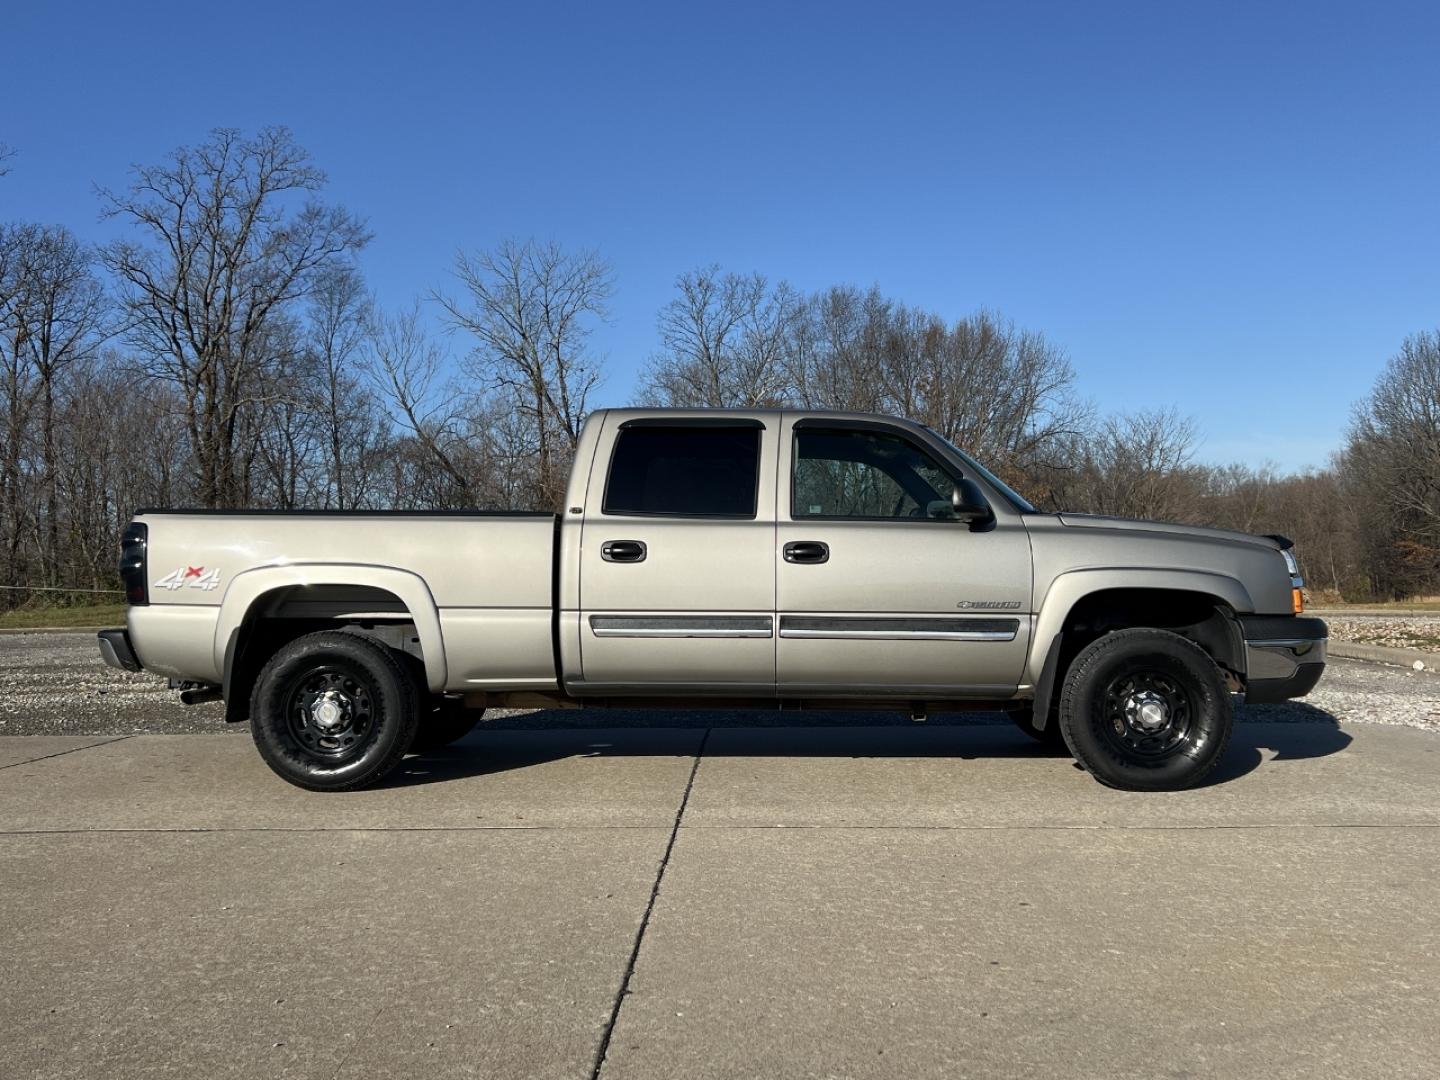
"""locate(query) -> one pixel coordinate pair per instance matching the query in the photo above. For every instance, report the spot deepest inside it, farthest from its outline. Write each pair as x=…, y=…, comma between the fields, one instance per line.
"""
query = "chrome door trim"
x=682, y=626
x=913, y=628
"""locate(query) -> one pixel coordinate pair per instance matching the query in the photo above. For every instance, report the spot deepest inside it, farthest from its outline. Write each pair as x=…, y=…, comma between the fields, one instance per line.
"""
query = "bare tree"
x=1011, y=390
x=280, y=441
x=339, y=316
x=730, y=340
x=531, y=308
x=1393, y=459
x=1239, y=496
x=1314, y=509
x=226, y=251
x=17, y=399
x=833, y=350
x=6, y=154
x=724, y=341
x=1136, y=465
x=52, y=314
x=979, y=381
x=408, y=369
x=110, y=461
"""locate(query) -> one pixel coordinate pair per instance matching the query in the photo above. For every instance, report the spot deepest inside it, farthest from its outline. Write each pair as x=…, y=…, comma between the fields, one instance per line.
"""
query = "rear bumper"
x=1284, y=656
x=115, y=650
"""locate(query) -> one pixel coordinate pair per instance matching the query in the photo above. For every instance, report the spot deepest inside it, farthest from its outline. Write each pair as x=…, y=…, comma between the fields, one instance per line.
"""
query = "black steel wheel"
x=1147, y=714
x=333, y=711
x=1145, y=710
x=329, y=709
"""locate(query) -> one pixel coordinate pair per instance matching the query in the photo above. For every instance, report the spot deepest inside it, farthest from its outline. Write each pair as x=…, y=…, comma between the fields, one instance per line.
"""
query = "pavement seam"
x=730, y=828
x=72, y=750
x=222, y=830
x=1080, y=828
x=604, y=1049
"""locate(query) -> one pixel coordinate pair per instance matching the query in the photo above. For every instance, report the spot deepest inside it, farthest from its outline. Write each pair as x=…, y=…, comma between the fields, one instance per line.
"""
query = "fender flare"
x=248, y=586
x=1069, y=588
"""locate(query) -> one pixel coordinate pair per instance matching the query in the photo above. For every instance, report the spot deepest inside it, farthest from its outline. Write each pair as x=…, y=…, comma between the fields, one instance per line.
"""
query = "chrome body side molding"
x=682, y=626
x=899, y=628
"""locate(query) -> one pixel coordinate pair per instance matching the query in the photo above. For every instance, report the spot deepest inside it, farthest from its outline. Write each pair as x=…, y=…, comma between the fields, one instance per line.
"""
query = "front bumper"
x=1284, y=656
x=116, y=651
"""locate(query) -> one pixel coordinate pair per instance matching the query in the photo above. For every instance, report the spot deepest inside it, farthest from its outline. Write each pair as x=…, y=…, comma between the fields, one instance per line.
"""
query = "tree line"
x=225, y=352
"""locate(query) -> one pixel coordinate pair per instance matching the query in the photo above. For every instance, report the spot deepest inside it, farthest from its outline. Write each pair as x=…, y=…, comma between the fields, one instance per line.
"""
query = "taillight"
x=133, y=542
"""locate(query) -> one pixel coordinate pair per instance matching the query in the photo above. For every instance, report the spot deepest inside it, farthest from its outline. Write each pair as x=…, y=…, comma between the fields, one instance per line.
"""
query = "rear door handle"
x=807, y=551
x=623, y=551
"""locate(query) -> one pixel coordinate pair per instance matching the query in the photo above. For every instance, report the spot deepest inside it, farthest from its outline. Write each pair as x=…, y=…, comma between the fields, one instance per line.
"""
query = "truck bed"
x=489, y=575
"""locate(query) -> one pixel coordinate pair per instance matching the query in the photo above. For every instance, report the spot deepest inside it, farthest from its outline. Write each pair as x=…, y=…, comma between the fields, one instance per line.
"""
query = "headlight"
x=1297, y=598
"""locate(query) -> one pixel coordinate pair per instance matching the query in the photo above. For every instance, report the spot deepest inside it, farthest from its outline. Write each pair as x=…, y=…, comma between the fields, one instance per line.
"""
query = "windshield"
x=1021, y=503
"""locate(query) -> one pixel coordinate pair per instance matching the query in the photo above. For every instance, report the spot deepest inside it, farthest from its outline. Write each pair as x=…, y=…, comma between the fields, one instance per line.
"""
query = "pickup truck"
x=719, y=558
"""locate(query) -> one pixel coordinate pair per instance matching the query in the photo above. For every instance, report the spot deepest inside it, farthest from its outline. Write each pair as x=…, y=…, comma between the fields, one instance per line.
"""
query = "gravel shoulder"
x=1420, y=632
x=55, y=684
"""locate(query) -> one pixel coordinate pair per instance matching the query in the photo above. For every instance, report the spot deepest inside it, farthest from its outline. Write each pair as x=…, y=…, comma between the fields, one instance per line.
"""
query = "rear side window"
x=685, y=472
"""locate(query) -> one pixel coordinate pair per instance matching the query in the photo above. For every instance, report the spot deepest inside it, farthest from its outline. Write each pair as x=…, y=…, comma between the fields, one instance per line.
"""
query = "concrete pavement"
x=736, y=902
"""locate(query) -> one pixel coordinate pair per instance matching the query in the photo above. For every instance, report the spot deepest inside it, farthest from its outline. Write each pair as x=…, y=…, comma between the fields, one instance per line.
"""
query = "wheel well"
x=286, y=613
x=1202, y=618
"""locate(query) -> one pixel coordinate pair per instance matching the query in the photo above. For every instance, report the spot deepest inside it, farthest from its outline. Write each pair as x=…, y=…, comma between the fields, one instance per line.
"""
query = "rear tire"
x=1145, y=710
x=333, y=711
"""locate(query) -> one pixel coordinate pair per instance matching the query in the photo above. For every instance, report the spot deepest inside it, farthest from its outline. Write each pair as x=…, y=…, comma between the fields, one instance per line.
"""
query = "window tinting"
x=866, y=474
x=684, y=471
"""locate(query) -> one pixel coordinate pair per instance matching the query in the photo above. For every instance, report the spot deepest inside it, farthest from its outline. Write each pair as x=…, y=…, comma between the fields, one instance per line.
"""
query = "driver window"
x=866, y=474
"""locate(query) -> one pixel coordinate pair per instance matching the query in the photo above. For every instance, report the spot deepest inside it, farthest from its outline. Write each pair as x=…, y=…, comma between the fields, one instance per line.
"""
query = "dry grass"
x=79, y=615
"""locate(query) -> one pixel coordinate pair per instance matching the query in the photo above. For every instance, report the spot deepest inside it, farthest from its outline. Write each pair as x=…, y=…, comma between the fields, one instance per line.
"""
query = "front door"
x=879, y=590
x=677, y=575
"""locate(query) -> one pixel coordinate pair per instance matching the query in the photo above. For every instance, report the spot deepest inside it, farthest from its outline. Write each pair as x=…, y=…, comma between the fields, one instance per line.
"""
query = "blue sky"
x=1227, y=208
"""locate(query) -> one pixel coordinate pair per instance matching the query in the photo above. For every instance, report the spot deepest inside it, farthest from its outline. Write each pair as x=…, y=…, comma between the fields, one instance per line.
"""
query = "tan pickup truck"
x=773, y=559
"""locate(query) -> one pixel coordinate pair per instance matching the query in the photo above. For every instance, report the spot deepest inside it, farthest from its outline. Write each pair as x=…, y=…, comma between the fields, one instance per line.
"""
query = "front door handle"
x=807, y=551
x=623, y=551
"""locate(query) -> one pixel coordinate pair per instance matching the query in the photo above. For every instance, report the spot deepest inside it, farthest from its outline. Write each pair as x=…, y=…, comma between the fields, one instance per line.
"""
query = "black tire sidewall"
x=393, y=722
x=1082, y=709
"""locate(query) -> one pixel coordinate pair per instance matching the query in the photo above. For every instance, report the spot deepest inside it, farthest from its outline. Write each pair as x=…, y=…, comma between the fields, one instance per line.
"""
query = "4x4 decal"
x=194, y=577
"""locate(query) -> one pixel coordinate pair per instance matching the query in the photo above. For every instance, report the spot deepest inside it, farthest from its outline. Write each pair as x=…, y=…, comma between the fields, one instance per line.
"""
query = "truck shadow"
x=1292, y=732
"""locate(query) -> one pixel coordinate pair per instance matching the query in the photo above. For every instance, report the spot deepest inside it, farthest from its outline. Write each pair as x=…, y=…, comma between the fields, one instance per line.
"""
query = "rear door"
x=879, y=590
x=677, y=571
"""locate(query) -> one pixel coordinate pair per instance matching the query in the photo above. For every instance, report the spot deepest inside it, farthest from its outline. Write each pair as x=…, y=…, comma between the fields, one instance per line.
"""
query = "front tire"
x=333, y=711
x=1145, y=710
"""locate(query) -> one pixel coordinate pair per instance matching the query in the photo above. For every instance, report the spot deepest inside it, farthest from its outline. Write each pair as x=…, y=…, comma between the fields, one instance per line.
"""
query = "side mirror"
x=968, y=503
